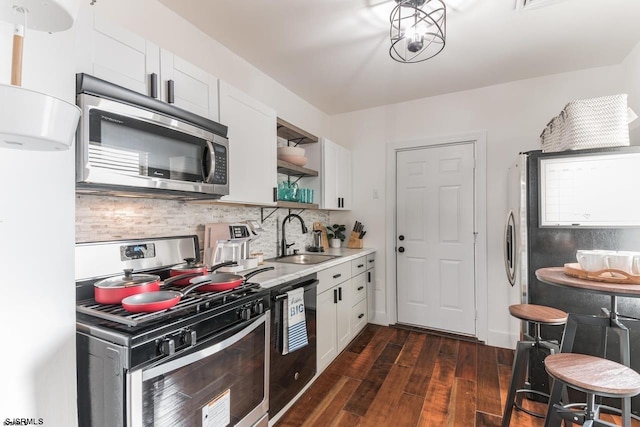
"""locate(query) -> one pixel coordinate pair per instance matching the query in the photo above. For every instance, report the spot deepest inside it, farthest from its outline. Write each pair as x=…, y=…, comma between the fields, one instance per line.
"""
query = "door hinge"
x=475, y=237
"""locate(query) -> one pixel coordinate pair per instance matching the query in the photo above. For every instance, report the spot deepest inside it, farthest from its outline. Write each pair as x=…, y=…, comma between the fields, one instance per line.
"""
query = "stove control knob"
x=167, y=346
x=245, y=313
x=189, y=338
x=258, y=308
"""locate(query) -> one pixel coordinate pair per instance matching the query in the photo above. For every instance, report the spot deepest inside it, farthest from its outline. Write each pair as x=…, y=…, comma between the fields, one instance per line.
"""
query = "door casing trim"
x=479, y=140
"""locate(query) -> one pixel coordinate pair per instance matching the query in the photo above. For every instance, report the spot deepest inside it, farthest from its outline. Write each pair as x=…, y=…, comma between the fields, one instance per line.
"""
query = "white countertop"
x=285, y=272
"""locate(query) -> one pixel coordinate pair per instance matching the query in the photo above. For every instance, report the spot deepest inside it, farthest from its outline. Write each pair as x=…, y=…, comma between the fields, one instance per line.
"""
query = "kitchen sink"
x=304, y=258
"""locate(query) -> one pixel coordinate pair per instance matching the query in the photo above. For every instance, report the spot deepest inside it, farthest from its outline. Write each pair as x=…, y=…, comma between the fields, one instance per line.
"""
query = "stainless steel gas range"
x=203, y=362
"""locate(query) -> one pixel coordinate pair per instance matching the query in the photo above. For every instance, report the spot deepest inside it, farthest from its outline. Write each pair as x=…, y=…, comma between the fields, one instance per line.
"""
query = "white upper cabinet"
x=336, y=176
x=252, y=148
x=193, y=89
x=119, y=56
x=114, y=54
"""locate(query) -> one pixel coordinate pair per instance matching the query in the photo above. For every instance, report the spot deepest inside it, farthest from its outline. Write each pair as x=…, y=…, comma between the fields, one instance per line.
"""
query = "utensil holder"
x=355, y=242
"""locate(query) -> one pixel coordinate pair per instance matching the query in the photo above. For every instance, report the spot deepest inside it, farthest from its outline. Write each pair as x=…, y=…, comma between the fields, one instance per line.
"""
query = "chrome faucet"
x=284, y=245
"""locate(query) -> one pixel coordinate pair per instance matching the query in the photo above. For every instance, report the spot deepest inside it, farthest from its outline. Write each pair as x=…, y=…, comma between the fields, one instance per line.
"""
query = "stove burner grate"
x=196, y=301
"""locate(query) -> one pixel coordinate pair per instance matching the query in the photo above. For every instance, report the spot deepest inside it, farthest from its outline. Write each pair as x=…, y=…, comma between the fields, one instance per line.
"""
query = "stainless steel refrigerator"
x=562, y=202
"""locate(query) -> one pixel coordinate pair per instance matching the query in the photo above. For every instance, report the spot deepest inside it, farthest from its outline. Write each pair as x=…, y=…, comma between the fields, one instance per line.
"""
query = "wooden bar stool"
x=538, y=315
x=595, y=377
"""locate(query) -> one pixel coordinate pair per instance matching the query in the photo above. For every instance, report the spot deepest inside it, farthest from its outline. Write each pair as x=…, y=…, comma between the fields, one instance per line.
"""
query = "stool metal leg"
x=518, y=374
x=553, y=419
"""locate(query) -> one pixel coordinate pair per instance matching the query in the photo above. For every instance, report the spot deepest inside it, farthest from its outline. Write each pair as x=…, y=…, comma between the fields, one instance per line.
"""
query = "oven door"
x=222, y=381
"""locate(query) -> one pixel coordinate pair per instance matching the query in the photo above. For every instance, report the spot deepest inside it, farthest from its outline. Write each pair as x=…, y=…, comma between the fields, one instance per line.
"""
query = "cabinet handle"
x=340, y=294
x=368, y=277
x=154, y=85
x=372, y=260
x=335, y=276
x=360, y=265
x=170, y=91
x=361, y=316
x=360, y=288
x=335, y=296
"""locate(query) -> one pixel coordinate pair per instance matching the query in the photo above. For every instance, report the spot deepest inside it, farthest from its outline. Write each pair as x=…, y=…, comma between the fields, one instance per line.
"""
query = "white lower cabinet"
x=371, y=285
x=342, y=308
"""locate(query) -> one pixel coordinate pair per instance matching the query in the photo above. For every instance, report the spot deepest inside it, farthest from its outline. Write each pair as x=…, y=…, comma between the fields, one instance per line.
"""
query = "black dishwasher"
x=289, y=373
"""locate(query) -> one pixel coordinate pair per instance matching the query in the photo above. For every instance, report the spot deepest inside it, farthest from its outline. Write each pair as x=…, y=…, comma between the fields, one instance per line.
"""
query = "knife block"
x=355, y=242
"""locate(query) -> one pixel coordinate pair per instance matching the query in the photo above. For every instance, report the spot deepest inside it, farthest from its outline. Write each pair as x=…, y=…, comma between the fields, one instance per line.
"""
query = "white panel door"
x=435, y=240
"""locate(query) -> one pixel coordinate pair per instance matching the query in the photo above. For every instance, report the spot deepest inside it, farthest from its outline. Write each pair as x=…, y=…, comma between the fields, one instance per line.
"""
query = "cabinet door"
x=326, y=338
x=329, y=174
x=371, y=291
x=252, y=146
x=113, y=53
x=343, y=185
x=336, y=176
x=194, y=89
x=359, y=317
x=343, y=315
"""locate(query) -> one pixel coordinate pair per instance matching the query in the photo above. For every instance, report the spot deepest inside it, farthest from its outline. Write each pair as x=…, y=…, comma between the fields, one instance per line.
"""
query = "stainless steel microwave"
x=130, y=144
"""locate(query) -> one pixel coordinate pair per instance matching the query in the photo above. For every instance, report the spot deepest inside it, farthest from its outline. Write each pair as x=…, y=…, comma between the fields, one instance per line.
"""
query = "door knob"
x=400, y=237
x=400, y=249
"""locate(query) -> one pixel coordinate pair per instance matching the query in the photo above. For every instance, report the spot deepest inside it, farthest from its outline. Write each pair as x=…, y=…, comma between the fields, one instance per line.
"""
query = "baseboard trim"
x=438, y=332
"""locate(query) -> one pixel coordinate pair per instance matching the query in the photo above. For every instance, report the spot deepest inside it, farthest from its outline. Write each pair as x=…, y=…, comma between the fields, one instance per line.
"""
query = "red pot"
x=189, y=267
x=114, y=289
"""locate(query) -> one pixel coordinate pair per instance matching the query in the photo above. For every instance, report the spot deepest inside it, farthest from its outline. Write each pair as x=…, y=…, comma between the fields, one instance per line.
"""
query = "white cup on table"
x=634, y=267
x=619, y=261
x=592, y=260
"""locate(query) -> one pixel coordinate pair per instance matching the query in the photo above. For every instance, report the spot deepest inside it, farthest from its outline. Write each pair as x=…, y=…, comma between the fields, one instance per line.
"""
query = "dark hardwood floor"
x=396, y=377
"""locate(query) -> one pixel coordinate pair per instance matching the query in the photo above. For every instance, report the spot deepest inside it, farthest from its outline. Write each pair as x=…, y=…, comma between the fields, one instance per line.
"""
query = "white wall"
x=512, y=114
x=37, y=307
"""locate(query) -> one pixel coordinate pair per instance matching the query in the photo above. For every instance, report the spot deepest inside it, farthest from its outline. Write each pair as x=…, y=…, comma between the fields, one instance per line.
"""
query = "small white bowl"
x=290, y=151
x=296, y=160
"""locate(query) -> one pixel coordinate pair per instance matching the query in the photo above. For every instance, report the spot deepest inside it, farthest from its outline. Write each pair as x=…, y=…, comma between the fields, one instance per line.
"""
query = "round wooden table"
x=610, y=320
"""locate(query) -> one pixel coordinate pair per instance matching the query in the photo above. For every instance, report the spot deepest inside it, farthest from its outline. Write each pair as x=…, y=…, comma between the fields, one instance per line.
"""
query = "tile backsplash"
x=101, y=218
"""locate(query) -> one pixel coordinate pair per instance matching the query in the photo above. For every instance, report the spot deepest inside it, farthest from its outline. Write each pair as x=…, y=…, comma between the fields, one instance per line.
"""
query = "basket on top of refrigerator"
x=589, y=123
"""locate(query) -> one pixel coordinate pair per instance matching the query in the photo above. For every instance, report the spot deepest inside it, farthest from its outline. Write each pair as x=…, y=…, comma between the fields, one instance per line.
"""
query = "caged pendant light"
x=418, y=30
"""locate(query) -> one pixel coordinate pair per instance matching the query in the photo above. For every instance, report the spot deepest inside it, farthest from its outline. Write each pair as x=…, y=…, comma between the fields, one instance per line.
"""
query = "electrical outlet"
x=375, y=193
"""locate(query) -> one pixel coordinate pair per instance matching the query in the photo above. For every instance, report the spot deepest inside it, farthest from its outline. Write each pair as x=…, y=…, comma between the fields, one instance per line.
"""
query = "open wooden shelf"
x=296, y=205
x=294, y=170
x=294, y=134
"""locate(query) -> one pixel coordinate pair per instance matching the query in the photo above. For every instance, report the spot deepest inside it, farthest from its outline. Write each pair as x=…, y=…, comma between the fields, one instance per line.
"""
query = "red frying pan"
x=162, y=300
x=224, y=281
x=194, y=268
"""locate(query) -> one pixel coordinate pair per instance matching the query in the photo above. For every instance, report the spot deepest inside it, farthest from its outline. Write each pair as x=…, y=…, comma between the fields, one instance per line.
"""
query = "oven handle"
x=283, y=294
x=180, y=362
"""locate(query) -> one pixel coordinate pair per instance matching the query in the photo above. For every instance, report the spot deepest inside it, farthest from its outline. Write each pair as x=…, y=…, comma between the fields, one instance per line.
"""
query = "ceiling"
x=335, y=53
